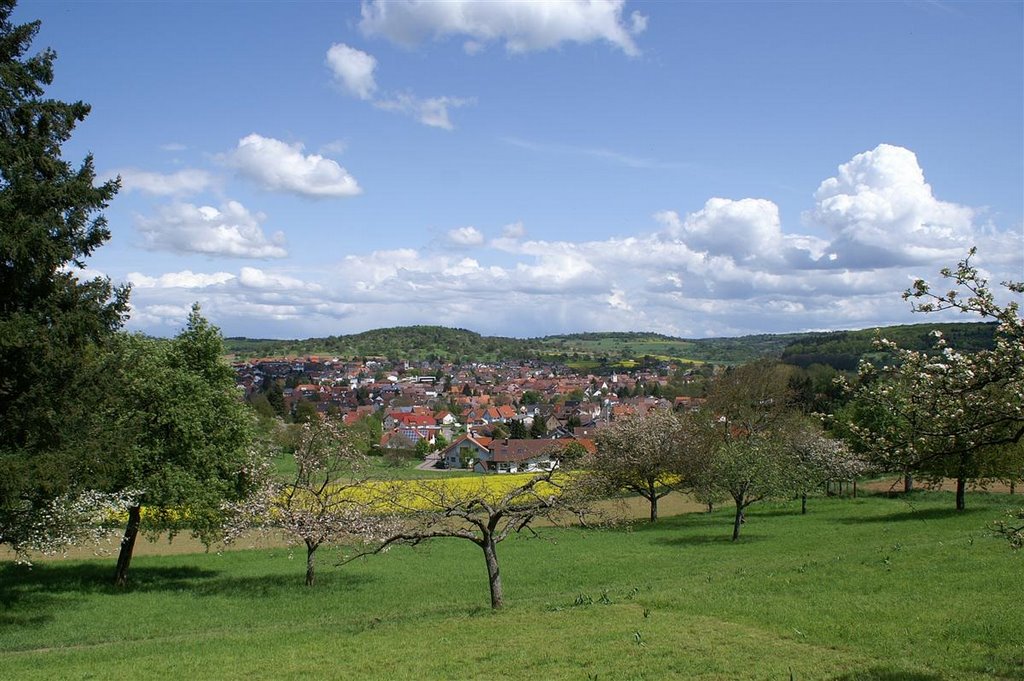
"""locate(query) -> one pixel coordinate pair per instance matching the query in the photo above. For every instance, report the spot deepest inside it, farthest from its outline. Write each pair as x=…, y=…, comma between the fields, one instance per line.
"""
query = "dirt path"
x=948, y=485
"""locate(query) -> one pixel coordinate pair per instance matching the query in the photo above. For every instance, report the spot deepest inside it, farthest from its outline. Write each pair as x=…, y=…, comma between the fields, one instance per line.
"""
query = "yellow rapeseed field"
x=429, y=495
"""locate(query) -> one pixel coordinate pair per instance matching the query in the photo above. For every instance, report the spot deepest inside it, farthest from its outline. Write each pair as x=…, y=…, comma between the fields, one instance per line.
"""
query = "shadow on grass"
x=706, y=539
x=914, y=514
x=33, y=595
x=883, y=674
x=95, y=577
x=30, y=595
x=264, y=586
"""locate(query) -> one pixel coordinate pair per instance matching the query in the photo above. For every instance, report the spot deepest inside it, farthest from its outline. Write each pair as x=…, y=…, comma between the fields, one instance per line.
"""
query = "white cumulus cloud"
x=252, y=277
x=466, y=236
x=353, y=69
x=880, y=210
x=521, y=26
x=722, y=268
x=430, y=111
x=183, y=279
x=230, y=230
x=279, y=166
x=182, y=182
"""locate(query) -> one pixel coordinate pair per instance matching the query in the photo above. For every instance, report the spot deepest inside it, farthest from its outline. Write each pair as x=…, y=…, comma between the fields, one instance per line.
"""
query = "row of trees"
x=748, y=443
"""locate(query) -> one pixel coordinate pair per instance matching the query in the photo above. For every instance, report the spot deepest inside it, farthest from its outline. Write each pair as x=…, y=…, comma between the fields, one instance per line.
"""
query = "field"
x=872, y=588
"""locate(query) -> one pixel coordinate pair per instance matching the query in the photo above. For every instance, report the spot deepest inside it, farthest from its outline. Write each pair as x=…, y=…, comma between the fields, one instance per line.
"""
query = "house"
x=683, y=403
x=519, y=456
x=465, y=451
x=445, y=418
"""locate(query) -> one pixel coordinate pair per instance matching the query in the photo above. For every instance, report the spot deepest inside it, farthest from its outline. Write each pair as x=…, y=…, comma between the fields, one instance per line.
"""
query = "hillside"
x=844, y=349
x=414, y=343
x=841, y=349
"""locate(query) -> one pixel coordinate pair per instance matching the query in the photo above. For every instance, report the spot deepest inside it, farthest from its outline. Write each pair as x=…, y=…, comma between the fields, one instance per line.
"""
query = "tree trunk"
x=908, y=483
x=493, y=573
x=711, y=507
x=1013, y=486
x=739, y=520
x=124, y=557
x=961, y=496
x=310, y=566
x=803, y=503
x=854, y=489
x=654, y=508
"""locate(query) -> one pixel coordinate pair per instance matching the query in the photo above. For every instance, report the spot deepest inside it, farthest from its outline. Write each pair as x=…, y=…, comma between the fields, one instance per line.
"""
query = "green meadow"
x=870, y=588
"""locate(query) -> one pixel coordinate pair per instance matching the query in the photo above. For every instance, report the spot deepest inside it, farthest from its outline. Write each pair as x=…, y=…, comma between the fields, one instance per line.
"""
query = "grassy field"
x=872, y=588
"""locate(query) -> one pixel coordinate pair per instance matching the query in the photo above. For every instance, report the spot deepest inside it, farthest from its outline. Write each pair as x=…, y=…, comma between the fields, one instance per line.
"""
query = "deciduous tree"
x=642, y=454
x=479, y=512
x=744, y=431
x=322, y=504
x=180, y=434
x=820, y=460
x=948, y=413
x=1012, y=527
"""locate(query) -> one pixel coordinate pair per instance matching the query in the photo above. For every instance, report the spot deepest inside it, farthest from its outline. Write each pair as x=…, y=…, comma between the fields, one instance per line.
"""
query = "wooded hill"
x=844, y=349
x=840, y=349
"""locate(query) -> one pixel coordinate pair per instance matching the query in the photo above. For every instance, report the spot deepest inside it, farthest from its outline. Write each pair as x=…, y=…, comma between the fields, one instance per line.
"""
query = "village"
x=508, y=417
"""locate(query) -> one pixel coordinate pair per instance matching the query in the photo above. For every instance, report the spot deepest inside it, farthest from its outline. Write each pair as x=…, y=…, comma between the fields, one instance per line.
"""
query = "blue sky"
x=697, y=169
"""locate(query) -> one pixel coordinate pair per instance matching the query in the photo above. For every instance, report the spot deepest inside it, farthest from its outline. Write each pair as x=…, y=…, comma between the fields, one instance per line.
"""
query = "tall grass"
x=871, y=588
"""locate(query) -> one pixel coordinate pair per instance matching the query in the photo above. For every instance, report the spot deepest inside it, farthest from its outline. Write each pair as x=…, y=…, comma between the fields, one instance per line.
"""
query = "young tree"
x=820, y=459
x=749, y=469
x=321, y=504
x=480, y=513
x=744, y=431
x=51, y=319
x=642, y=454
x=180, y=437
x=947, y=413
x=440, y=442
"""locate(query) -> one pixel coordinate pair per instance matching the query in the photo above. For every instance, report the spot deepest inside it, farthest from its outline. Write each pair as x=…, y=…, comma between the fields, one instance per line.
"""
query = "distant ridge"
x=840, y=349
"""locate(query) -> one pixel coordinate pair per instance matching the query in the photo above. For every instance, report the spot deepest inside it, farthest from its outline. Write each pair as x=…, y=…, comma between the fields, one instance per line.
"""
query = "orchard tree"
x=744, y=431
x=322, y=503
x=479, y=512
x=642, y=454
x=87, y=517
x=749, y=469
x=181, y=435
x=948, y=414
x=52, y=318
x=820, y=460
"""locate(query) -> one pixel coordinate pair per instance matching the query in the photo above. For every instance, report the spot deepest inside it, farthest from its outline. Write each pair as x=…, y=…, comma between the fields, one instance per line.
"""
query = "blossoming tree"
x=944, y=413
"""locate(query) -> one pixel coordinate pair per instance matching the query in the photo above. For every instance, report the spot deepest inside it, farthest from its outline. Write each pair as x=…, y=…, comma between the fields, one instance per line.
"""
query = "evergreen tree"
x=539, y=427
x=517, y=431
x=51, y=319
